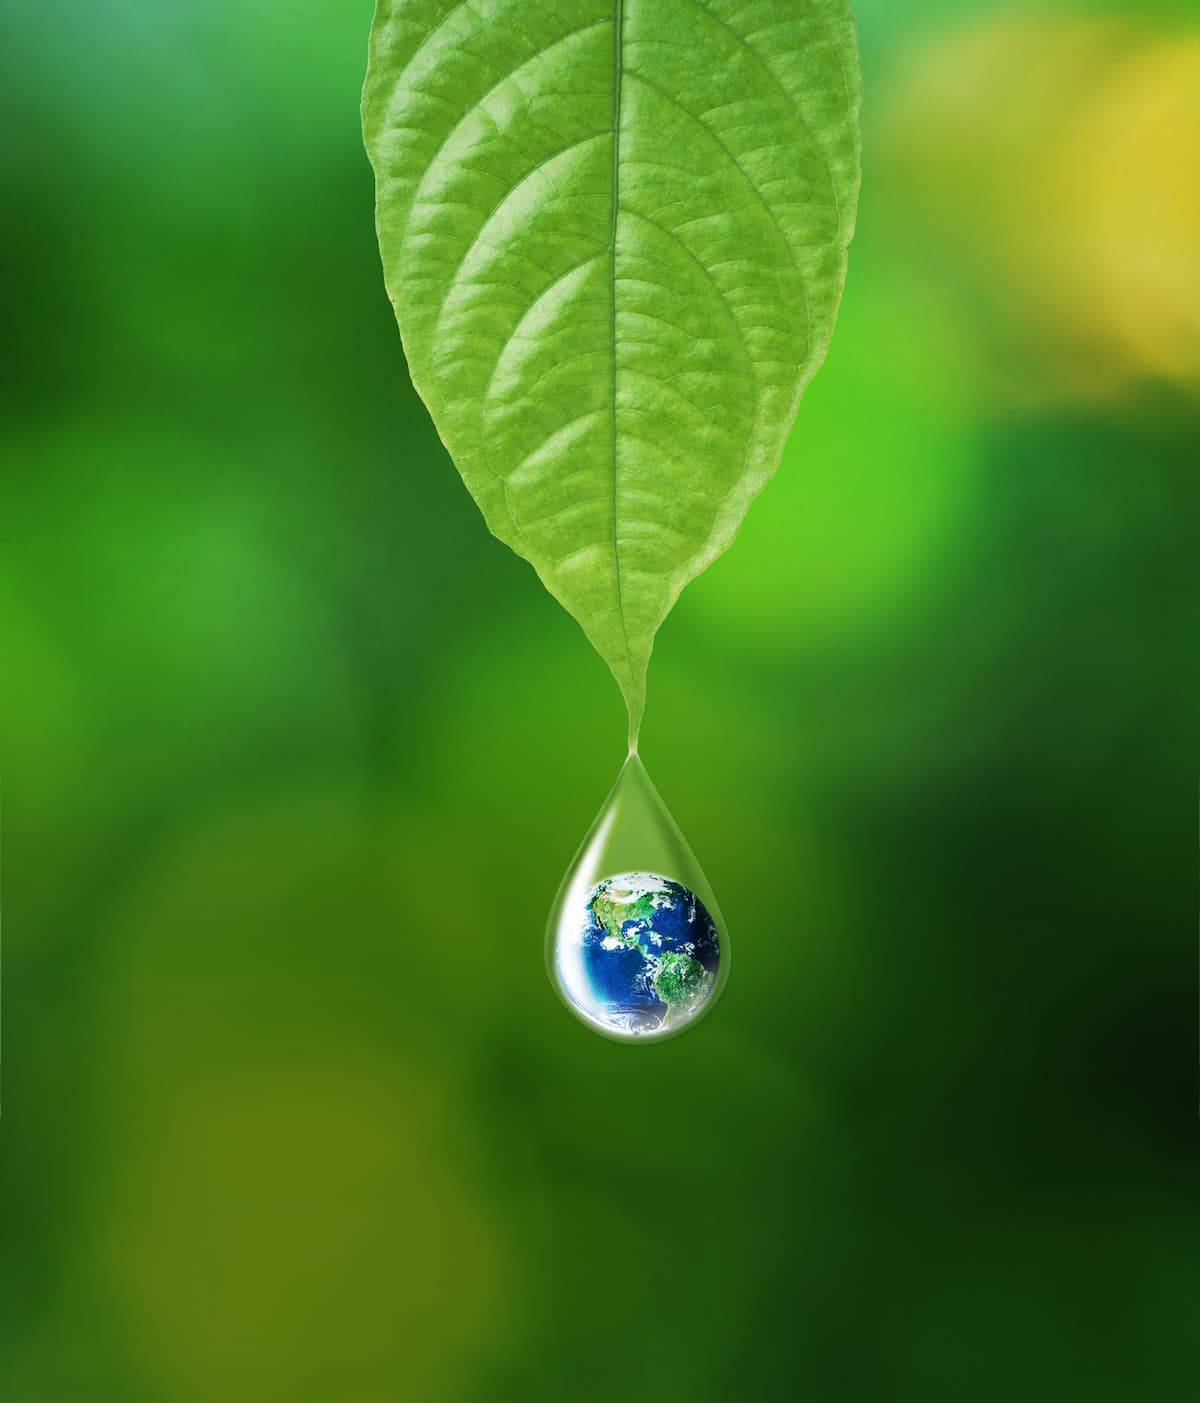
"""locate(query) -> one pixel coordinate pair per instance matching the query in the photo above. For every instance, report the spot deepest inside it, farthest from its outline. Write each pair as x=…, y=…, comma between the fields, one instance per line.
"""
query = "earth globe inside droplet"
x=640, y=956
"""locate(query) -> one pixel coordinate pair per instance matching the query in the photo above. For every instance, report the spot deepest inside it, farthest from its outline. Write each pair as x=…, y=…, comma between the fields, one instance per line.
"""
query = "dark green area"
x=295, y=755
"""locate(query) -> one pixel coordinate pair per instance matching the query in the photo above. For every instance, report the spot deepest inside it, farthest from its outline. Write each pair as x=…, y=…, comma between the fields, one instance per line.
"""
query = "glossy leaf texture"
x=614, y=233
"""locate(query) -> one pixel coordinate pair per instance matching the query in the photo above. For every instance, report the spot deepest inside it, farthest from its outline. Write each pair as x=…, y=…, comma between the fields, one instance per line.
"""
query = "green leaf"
x=614, y=233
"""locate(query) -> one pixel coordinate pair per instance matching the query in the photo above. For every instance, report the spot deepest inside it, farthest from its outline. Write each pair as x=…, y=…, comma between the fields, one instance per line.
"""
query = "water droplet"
x=636, y=945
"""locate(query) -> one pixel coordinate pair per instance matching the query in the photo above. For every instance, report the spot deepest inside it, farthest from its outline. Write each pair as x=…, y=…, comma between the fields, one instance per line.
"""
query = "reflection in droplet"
x=636, y=945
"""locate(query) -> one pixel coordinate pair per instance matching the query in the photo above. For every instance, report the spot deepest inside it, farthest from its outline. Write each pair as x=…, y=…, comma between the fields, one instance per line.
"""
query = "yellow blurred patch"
x=1049, y=168
x=285, y=1203
x=1136, y=160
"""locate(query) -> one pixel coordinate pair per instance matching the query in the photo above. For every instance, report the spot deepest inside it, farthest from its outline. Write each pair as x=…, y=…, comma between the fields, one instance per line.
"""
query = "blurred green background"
x=295, y=755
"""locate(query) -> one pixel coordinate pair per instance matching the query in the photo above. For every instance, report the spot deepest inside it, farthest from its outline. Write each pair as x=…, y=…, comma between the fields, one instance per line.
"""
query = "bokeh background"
x=295, y=755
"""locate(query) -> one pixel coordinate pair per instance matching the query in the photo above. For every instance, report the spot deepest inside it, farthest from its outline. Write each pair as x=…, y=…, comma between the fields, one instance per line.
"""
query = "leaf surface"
x=614, y=233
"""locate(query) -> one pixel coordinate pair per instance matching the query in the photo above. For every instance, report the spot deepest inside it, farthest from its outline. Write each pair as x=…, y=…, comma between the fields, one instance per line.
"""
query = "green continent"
x=681, y=981
x=612, y=915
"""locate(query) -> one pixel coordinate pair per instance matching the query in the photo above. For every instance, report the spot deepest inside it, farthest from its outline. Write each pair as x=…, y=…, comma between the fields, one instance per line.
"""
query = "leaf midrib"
x=618, y=70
